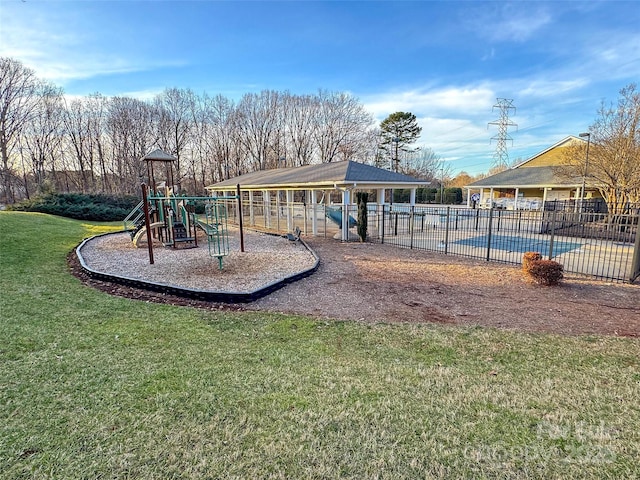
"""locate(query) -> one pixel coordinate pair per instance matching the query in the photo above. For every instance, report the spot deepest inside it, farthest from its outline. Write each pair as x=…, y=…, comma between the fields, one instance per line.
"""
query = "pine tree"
x=398, y=131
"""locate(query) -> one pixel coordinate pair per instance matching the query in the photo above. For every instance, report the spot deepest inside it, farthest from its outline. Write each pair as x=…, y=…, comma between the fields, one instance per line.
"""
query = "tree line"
x=94, y=144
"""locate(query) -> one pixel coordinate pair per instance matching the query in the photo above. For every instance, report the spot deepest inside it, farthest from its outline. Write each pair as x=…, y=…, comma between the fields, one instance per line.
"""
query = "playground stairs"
x=135, y=217
x=135, y=220
x=180, y=234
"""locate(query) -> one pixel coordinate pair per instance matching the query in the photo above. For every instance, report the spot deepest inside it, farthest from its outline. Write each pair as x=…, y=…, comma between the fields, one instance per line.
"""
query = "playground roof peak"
x=158, y=156
x=346, y=175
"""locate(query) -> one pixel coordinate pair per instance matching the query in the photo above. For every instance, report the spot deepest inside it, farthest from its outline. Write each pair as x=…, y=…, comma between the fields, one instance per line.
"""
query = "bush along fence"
x=599, y=245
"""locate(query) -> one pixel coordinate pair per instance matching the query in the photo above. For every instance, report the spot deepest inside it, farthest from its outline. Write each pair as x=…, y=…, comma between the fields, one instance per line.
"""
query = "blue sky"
x=446, y=62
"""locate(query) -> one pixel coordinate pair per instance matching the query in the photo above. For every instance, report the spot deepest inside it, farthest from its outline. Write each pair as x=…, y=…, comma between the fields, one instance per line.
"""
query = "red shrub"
x=529, y=257
x=545, y=272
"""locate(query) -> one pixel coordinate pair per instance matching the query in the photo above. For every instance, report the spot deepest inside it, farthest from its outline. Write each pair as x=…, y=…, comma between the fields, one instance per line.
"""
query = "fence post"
x=239, y=193
x=489, y=233
x=324, y=216
x=553, y=228
x=411, y=226
x=383, y=215
x=635, y=262
x=147, y=221
x=477, y=218
x=446, y=231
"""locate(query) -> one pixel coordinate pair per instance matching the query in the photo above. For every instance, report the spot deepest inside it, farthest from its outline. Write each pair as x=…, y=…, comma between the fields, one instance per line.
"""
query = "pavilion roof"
x=337, y=175
x=158, y=156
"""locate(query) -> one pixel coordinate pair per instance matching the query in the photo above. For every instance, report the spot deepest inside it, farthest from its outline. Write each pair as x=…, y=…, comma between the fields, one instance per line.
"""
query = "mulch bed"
x=380, y=283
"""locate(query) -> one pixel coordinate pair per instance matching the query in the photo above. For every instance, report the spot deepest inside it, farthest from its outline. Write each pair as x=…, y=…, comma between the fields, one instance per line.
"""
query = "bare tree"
x=129, y=129
x=341, y=124
x=175, y=113
x=76, y=124
x=425, y=164
x=223, y=139
x=614, y=152
x=298, y=112
x=18, y=101
x=41, y=137
x=258, y=123
x=96, y=143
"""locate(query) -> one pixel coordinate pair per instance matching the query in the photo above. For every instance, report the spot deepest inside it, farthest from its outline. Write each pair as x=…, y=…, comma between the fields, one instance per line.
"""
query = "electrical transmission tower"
x=501, y=157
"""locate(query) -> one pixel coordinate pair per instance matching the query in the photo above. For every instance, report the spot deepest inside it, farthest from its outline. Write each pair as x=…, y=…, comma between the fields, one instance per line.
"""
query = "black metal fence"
x=591, y=205
x=601, y=245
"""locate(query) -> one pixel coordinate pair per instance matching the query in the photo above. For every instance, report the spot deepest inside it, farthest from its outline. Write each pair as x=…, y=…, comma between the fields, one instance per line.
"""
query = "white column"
x=468, y=197
x=412, y=197
x=252, y=219
x=345, y=215
x=491, y=196
x=278, y=210
x=266, y=198
x=544, y=196
x=314, y=213
x=381, y=204
x=290, y=210
x=515, y=201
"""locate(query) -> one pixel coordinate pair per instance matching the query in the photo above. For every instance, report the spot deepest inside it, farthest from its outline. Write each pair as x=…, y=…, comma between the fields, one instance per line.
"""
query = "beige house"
x=532, y=183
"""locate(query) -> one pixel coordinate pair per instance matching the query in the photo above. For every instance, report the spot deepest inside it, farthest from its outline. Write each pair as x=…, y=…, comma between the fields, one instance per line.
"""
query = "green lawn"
x=93, y=386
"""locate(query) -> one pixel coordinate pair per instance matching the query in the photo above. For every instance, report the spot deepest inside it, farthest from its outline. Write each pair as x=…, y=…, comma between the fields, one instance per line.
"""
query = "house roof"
x=336, y=175
x=531, y=177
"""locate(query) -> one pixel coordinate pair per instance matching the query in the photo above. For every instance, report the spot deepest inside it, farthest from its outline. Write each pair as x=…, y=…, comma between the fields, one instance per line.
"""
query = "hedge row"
x=81, y=206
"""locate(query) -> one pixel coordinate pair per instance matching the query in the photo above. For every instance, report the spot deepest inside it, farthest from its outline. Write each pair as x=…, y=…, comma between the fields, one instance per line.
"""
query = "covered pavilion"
x=318, y=182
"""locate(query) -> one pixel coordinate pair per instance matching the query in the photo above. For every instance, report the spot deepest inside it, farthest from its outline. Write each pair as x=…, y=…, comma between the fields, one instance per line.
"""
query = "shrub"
x=545, y=272
x=529, y=257
x=362, y=198
x=80, y=206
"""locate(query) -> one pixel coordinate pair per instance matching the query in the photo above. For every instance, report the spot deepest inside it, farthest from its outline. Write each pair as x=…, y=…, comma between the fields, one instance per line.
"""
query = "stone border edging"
x=206, y=295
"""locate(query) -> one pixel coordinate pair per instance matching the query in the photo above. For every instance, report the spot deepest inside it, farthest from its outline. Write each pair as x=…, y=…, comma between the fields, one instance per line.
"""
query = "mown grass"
x=93, y=386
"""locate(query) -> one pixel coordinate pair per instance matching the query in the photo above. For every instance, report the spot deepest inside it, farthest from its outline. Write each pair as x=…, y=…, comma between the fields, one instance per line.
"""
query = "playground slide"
x=143, y=232
x=335, y=215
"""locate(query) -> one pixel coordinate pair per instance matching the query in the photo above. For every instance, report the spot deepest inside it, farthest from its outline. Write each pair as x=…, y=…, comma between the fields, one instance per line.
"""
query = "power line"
x=501, y=157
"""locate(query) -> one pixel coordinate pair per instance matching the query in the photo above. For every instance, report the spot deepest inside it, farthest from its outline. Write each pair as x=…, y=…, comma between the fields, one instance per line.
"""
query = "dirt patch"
x=380, y=283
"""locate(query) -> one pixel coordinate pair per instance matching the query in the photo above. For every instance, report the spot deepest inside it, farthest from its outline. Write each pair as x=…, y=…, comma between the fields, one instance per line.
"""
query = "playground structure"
x=173, y=220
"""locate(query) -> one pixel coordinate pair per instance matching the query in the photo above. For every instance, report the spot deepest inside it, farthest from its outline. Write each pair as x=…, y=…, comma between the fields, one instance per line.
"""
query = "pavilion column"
x=314, y=212
x=412, y=197
x=345, y=214
x=290, y=210
x=544, y=196
x=266, y=199
x=381, y=204
x=278, y=210
x=468, y=197
x=515, y=201
x=491, y=197
x=252, y=218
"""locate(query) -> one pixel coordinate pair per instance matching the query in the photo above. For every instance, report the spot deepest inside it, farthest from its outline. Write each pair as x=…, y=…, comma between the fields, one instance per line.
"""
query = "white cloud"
x=517, y=21
x=430, y=102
